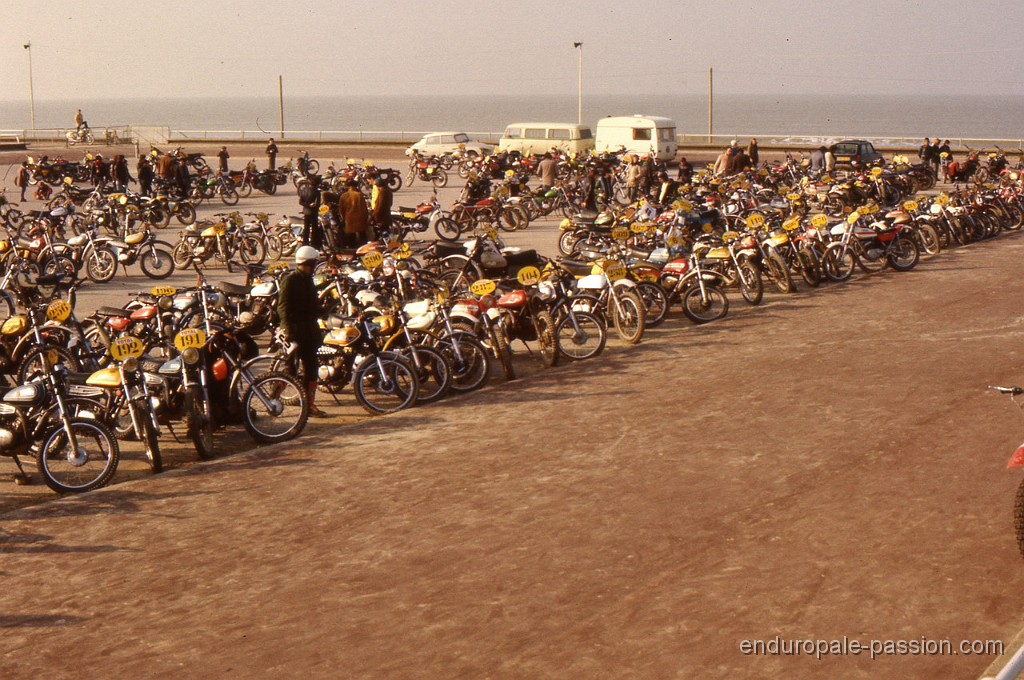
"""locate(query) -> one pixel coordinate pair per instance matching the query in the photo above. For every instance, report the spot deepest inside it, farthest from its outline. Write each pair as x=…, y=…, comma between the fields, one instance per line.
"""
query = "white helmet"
x=306, y=254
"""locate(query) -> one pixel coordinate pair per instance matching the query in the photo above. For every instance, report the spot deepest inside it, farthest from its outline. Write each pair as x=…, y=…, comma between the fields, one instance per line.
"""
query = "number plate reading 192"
x=160, y=291
x=58, y=310
x=190, y=337
x=528, y=276
x=373, y=260
x=482, y=287
x=125, y=347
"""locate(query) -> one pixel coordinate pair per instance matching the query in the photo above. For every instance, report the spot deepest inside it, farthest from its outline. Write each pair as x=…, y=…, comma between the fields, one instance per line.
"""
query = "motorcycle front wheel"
x=629, y=317
x=385, y=384
x=87, y=465
x=101, y=265
x=157, y=263
x=580, y=335
x=712, y=306
x=199, y=423
x=275, y=409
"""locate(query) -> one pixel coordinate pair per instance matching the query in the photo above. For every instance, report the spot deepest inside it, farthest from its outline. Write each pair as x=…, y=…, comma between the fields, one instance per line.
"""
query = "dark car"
x=855, y=152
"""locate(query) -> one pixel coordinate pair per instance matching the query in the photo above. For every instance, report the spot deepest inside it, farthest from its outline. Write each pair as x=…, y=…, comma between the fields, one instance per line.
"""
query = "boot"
x=314, y=411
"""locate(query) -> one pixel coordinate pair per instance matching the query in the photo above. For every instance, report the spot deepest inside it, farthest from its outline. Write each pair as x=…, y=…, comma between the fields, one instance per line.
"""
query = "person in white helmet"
x=299, y=309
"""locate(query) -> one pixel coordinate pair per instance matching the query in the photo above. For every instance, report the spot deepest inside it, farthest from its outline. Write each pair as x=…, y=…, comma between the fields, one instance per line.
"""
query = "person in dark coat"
x=145, y=175
x=934, y=156
x=309, y=199
x=945, y=160
x=752, y=153
x=122, y=176
x=299, y=308
x=182, y=177
x=271, y=154
x=685, y=171
x=223, y=156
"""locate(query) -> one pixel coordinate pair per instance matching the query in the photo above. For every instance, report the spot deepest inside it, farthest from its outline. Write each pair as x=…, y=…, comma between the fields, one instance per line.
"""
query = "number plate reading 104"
x=190, y=337
x=615, y=272
x=125, y=347
x=160, y=291
x=373, y=260
x=528, y=276
x=58, y=310
x=482, y=287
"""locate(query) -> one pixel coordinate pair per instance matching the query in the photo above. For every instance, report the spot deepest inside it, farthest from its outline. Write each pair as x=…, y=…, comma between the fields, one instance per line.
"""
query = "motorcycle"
x=155, y=257
x=82, y=136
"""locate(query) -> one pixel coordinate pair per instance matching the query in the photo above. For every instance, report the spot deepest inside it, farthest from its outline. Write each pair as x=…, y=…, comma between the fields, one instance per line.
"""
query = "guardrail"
x=405, y=136
x=880, y=141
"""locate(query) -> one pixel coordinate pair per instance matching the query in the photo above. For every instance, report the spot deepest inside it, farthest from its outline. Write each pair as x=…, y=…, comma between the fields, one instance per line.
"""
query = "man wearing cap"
x=309, y=199
x=299, y=309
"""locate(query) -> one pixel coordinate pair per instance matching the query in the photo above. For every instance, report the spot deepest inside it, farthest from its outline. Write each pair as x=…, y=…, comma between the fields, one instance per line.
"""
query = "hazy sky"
x=179, y=48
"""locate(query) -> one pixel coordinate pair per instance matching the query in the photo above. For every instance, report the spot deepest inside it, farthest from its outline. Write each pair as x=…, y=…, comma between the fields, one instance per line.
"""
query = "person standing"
x=272, y=154
x=817, y=160
x=547, y=171
x=309, y=199
x=925, y=152
x=945, y=156
x=685, y=170
x=934, y=157
x=21, y=181
x=354, y=216
x=122, y=176
x=144, y=171
x=633, y=171
x=299, y=309
x=755, y=159
x=830, y=161
x=182, y=177
x=223, y=156
x=380, y=205
x=80, y=121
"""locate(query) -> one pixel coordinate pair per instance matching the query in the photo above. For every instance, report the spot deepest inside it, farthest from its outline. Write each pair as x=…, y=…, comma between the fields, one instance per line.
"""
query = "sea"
x=872, y=116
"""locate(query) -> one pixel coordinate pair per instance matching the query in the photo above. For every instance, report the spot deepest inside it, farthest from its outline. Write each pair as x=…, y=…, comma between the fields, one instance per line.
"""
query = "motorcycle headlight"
x=165, y=302
x=190, y=356
x=130, y=365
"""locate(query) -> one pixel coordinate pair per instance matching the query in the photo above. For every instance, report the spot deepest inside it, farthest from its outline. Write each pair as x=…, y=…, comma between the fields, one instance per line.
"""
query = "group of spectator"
x=735, y=159
x=357, y=222
x=931, y=154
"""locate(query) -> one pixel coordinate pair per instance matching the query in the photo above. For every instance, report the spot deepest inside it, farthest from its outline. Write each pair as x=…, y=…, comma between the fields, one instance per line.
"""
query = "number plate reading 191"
x=125, y=347
x=615, y=272
x=373, y=260
x=528, y=276
x=160, y=291
x=482, y=287
x=819, y=220
x=58, y=310
x=189, y=337
x=755, y=221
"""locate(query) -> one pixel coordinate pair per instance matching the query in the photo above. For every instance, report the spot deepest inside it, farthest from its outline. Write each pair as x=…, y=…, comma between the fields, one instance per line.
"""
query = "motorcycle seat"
x=77, y=378
x=523, y=258
x=445, y=249
x=112, y=311
x=576, y=267
x=233, y=288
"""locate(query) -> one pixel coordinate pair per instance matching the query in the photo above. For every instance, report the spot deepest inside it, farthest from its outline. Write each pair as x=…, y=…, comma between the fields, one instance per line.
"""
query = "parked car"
x=855, y=152
x=438, y=143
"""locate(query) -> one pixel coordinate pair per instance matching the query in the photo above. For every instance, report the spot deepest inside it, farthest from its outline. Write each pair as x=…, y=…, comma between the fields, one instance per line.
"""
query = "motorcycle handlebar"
x=1007, y=390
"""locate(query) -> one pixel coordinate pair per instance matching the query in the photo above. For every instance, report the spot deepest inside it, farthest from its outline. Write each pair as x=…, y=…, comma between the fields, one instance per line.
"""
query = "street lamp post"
x=579, y=46
x=31, y=93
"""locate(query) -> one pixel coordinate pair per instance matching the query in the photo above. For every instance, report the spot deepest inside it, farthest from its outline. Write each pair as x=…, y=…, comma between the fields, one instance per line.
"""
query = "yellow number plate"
x=875, y=172
x=403, y=252
x=910, y=205
x=528, y=276
x=683, y=205
x=373, y=260
x=482, y=287
x=730, y=236
x=819, y=220
x=620, y=233
x=160, y=291
x=615, y=272
x=793, y=197
x=791, y=224
x=639, y=227
x=853, y=217
x=755, y=221
x=190, y=337
x=125, y=347
x=58, y=310
x=673, y=241
x=942, y=199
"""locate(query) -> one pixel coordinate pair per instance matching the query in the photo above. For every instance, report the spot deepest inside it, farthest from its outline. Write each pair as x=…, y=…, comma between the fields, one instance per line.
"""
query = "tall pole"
x=711, y=104
x=280, y=102
x=31, y=92
x=579, y=46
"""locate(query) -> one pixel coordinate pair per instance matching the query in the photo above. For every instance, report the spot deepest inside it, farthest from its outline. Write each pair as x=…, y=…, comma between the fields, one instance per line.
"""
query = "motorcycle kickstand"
x=174, y=434
x=20, y=477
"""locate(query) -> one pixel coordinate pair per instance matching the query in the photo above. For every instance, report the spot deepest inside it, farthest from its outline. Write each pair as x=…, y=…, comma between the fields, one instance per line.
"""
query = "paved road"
x=826, y=465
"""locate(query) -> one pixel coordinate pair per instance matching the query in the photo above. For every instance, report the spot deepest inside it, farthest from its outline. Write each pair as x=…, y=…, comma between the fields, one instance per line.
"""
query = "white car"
x=438, y=143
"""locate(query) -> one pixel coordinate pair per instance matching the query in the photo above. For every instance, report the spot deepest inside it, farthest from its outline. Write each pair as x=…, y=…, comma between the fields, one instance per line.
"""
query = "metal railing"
x=880, y=141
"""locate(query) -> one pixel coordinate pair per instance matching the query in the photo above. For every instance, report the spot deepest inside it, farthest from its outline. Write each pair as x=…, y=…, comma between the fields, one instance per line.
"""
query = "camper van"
x=530, y=138
x=638, y=134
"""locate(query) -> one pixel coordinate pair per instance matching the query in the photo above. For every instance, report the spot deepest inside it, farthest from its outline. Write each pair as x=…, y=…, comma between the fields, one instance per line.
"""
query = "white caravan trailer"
x=639, y=134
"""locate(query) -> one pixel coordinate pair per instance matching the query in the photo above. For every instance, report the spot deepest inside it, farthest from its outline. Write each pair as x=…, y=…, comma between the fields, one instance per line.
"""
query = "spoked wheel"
x=150, y=435
x=903, y=254
x=385, y=384
x=157, y=263
x=810, y=269
x=629, y=317
x=839, y=262
x=1018, y=518
x=101, y=265
x=199, y=423
x=655, y=302
x=88, y=462
x=447, y=229
x=275, y=409
x=433, y=371
x=779, y=274
x=751, y=283
x=713, y=305
x=503, y=351
x=544, y=326
x=580, y=335
x=468, y=359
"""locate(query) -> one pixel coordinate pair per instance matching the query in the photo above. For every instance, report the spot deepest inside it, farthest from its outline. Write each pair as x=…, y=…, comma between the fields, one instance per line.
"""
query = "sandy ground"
x=826, y=465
